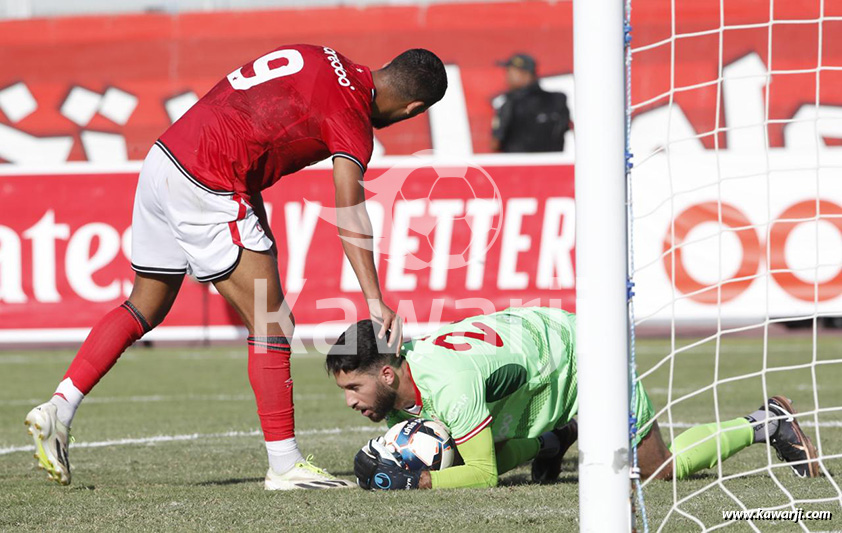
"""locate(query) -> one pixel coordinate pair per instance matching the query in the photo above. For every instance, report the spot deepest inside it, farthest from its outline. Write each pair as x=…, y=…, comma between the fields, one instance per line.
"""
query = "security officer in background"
x=530, y=119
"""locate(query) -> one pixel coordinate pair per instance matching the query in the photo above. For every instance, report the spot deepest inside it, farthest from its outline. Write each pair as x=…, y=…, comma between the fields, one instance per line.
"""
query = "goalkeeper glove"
x=379, y=468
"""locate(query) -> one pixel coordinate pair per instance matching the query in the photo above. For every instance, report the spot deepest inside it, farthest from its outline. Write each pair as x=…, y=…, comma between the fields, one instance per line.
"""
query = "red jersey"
x=283, y=111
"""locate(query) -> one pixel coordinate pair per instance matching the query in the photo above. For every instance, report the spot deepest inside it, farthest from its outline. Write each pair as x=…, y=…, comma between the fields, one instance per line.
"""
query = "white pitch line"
x=703, y=349
x=803, y=423
x=326, y=431
x=170, y=398
x=142, y=399
x=193, y=436
x=680, y=391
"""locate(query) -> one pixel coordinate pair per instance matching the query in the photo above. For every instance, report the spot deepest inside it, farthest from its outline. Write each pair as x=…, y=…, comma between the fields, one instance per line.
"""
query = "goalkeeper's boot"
x=547, y=469
x=789, y=441
x=51, y=439
x=304, y=475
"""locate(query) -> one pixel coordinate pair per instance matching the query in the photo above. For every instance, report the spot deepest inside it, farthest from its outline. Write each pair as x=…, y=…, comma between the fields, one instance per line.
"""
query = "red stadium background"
x=64, y=258
x=101, y=89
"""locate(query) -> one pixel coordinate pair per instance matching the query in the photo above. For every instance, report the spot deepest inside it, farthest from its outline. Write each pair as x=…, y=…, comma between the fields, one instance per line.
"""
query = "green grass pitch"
x=168, y=442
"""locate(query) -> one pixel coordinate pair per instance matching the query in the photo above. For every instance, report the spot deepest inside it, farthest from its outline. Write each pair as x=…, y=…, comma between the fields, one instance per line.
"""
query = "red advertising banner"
x=103, y=88
x=451, y=240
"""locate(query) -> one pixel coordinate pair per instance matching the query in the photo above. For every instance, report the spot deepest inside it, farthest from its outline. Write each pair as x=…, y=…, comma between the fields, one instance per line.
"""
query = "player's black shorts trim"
x=346, y=155
x=158, y=270
x=187, y=175
x=220, y=275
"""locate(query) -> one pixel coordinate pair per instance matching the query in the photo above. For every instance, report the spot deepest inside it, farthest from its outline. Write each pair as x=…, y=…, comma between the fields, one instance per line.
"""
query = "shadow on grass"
x=239, y=481
x=224, y=482
x=518, y=480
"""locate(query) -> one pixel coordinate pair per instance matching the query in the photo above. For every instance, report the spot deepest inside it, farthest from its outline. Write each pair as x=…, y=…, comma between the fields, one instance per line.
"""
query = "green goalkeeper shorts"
x=643, y=411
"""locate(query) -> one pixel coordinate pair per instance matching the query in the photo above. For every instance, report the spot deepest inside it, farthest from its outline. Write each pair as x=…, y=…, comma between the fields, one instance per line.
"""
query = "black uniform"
x=532, y=120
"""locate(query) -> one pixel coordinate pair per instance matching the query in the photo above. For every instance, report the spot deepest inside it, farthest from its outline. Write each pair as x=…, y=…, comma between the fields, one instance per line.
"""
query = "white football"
x=423, y=444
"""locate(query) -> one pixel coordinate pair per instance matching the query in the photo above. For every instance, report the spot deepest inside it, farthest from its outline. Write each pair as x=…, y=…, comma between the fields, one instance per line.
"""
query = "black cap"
x=521, y=61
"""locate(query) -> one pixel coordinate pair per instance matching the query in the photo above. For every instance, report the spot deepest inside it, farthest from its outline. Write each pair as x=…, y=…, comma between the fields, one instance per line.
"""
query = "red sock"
x=270, y=379
x=105, y=343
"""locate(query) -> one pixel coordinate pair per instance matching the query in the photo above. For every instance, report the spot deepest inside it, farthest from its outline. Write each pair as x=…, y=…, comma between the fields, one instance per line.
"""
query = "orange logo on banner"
x=731, y=217
x=752, y=249
x=789, y=219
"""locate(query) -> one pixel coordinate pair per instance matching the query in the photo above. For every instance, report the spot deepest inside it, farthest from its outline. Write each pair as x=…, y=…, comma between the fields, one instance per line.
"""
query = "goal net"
x=735, y=247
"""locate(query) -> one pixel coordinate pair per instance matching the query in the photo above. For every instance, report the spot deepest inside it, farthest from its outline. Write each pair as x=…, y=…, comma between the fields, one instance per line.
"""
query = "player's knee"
x=149, y=316
x=154, y=323
x=663, y=472
x=283, y=326
x=668, y=471
x=153, y=296
x=657, y=463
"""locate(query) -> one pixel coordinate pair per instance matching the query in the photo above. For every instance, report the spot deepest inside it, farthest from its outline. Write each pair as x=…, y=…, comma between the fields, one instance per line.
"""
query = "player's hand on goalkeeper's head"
x=391, y=325
x=377, y=467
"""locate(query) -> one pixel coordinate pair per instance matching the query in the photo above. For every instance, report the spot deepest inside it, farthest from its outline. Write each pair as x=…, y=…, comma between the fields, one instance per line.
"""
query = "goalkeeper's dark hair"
x=359, y=349
x=418, y=74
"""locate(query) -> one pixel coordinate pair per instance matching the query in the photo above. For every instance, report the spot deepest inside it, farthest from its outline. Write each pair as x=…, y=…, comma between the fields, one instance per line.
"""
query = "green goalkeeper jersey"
x=514, y=370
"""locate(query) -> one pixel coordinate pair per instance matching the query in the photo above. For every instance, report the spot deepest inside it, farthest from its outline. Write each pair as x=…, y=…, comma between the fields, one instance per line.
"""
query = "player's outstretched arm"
x=479, y=470
x=357, y=240
x=514, y=452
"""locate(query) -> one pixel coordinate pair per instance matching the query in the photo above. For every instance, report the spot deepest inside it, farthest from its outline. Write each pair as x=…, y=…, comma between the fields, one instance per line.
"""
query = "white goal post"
x=601, y=271
x=730, y=227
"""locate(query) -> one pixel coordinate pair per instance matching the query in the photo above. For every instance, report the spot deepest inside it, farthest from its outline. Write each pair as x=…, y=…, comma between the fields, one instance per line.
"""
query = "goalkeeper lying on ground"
x=505, y=385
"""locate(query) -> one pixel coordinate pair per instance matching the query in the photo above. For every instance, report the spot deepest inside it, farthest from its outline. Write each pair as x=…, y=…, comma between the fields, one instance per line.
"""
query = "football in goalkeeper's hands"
x=422, y=444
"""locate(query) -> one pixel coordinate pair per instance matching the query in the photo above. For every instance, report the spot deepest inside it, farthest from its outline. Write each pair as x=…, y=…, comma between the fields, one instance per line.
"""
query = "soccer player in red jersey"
x=198, y=210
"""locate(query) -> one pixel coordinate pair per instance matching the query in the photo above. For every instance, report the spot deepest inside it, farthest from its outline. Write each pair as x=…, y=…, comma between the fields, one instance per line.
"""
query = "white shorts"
x=181, y=227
